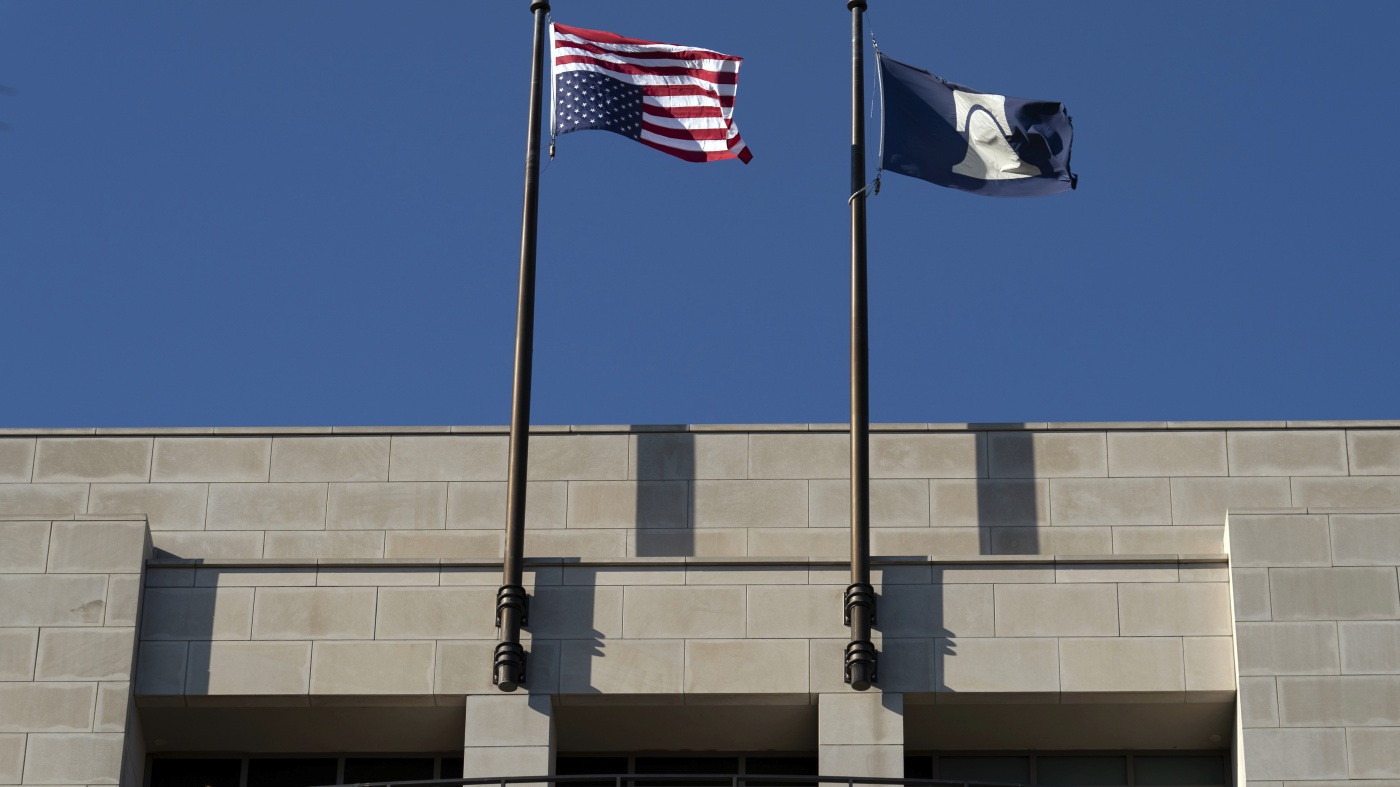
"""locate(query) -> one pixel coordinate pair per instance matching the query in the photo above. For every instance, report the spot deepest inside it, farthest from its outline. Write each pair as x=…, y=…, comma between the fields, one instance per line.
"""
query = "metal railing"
x=682, y=780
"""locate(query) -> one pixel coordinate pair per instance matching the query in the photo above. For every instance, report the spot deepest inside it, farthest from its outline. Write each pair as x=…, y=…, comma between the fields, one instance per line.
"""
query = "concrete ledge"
x=1047, y=561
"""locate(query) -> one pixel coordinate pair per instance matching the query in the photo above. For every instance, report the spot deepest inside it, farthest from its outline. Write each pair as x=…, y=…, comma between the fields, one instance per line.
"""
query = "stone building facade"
x=1106, y=604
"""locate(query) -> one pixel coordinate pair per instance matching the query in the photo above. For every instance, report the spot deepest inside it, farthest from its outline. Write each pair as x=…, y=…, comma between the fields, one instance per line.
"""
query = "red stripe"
x=718, y=77
x=685, y=54
x=687, y=90
x=680, y=113
x=685, y=133
x=697, y=156
x=604, y=37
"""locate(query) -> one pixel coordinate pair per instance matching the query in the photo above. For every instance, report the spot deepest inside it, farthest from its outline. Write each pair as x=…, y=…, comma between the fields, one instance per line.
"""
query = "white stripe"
x=647, y=79
x=686, y=123
x=623, y=48
x=706, y=145
x=723, y=66
x=688, y=101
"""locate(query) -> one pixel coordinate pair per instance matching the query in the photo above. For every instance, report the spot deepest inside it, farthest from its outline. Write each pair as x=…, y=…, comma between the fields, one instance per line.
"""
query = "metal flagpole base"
x=861, y=664
x=508, y=672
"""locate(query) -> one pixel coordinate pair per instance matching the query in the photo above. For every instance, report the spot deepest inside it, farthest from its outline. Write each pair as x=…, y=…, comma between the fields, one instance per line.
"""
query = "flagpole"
x=512, y=603
x=860, y=595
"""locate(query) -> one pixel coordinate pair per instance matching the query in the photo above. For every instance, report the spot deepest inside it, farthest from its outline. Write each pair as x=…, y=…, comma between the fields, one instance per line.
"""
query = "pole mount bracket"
x=510, y=659
x=861, y=651
x=512, y=596
x=860, y=594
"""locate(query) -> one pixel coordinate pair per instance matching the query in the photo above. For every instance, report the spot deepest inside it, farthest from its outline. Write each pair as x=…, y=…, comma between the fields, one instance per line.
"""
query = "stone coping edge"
x=699, y=562
x=1037, y=426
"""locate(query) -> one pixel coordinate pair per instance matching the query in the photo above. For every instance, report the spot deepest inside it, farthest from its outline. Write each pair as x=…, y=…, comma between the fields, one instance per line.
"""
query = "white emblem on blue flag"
x=982, y=117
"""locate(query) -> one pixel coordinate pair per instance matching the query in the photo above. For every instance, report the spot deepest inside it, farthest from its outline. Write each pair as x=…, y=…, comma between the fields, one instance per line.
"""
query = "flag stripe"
x=633, y=45
x=692, y=59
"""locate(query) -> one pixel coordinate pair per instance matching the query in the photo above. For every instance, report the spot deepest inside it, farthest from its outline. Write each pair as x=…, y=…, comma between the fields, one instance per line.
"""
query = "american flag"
x=677, y=99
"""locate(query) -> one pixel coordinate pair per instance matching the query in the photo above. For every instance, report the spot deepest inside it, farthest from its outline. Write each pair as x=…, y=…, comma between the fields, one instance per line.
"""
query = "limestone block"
x=629, y=504
x=1204, y=501
x=481, y=505
x=1365, y=539
x=1287, y=648
x=1288, y=453
x=1041, y=455
x=1122, y=572
x=305, y=545
x=11, y=758
x=885, y=762
x=576, y=544
x=123, y=599
x=42, y=500
x=166, y=506
x=86, y=758
x=1372, y=753
x=458, y=544
x=399, y=668
x=16, y=460
x=1295, y=754
x=312, y=613
x=24, y=547
x=1258, y=702
x=197, y=613
x=1174, y=609
x=802, y=456
x=534, y=576
x=989, y=502
x=18, y=647
x=495, y=761
x=1335, y=593
x=1056, y=610
x=893, y=503
x=683, y=612
x=1003, y=574
x=1204, y=572
x=794, y=611
x=330, y=459
x=355, y=576
x=47, y=707
x=160, y=669
x=85, y=459
x=1370, y=647
x=577, y=612
x=1088, y=502
x=97, y=547
x=933, y=611
x=924, y=455
x=464, y=667
x=849, y=718
x=687, y=456
x=947, y=541
x=712, y=542
x=113, y=700
x=220, y=459
x=994, y=665
x=507, y=720
x=617, y=575
x=1157, y=454
x=1279, y=540
x=86, y=654
x=231, y=544
x=1371, y=453
x=436, y=613
x=824, y=542
x=46, y=600
x=1251, y=590
x=1168, y=540
x=381, y=506
x=1056, y=540
x=1129, y=664
x=575, y=457
x=763, y=504
x=248, y=668
x=1356, y=492
x=1349, y=701
x=622, y=666
x=449, y=458
x=266, y=507
x=699, y=574
x=906, y=665
x=1210, y=663
x=237, y=577
x=748, y=666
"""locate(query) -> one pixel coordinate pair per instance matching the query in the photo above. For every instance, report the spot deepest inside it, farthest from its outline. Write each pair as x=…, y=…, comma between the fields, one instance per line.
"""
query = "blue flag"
x=967, y=139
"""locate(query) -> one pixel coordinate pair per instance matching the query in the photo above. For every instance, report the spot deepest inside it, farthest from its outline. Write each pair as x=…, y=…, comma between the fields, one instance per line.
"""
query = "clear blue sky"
x=237, y=213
